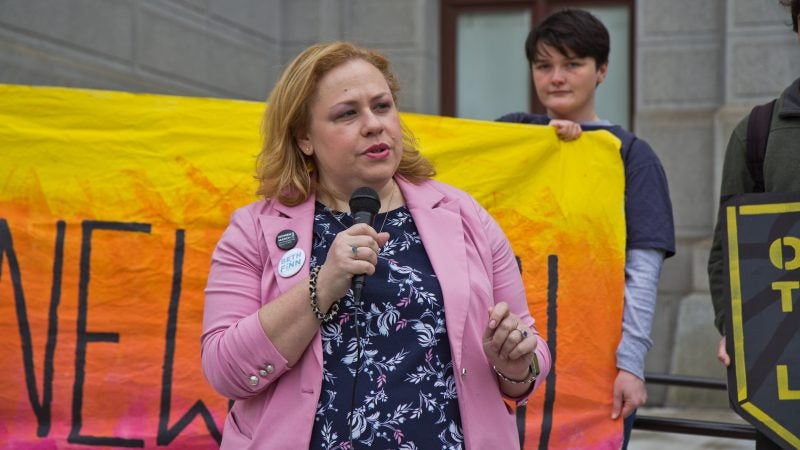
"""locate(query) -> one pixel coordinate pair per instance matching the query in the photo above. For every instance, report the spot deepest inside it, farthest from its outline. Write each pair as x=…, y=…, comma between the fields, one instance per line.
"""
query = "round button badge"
x=291, y=262
x=286, y=239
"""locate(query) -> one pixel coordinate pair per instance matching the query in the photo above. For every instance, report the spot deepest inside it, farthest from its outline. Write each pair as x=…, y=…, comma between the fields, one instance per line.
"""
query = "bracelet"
x=312, y=294
x=533, y=369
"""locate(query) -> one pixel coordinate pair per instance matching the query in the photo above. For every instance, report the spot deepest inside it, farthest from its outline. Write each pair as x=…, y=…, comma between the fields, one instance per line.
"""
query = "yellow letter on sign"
x=784, y=392
x=776, y=253
x=786, y=292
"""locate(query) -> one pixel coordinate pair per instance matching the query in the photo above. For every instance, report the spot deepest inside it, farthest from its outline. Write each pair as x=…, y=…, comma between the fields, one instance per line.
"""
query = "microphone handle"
x=363, y=217
x=359, y=280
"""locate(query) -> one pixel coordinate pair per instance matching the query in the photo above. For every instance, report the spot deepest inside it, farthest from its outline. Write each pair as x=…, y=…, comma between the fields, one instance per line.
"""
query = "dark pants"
x=765, y=443
x=627, y=428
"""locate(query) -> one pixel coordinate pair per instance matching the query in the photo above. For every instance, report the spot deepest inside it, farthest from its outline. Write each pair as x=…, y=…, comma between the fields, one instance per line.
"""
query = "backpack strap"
x=757, y=134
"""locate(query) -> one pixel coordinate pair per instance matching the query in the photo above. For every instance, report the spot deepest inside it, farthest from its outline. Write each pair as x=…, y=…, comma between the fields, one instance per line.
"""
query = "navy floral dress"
x=405, y=391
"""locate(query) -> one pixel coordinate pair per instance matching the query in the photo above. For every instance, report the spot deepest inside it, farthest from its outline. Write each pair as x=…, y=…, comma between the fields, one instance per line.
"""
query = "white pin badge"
x=291, y=262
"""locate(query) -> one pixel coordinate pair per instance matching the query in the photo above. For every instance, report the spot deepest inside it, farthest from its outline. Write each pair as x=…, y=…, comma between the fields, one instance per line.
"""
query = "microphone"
x=364, y=205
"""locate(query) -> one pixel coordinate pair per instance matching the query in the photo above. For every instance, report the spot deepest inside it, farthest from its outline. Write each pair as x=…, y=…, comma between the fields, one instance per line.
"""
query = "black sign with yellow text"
x=762, y=254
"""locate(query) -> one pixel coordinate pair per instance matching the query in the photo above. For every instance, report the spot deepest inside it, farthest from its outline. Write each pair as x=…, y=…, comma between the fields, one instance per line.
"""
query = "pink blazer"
x=275, y=404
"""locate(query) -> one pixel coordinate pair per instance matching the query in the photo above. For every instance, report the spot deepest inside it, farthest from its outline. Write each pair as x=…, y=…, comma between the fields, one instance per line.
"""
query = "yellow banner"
x=111, y=204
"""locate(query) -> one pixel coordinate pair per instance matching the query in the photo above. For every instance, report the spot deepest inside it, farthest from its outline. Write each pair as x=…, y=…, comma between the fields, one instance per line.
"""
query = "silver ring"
x=354, y=249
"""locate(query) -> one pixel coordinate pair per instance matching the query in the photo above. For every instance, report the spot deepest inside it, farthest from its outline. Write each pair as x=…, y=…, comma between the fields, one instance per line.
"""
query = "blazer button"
x=253, y=380
x=463, y=372
x=266, y=370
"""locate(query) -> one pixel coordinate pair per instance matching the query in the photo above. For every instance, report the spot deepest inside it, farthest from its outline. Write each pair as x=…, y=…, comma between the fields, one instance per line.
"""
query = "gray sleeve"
x=642, y=269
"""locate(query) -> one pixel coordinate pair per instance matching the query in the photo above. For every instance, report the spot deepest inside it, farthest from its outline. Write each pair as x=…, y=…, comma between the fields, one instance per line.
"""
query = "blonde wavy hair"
x=283, y=171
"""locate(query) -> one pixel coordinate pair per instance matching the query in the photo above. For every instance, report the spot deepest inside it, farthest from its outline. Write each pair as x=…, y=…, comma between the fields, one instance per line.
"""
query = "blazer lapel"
x=299, y=219
x=438, y=220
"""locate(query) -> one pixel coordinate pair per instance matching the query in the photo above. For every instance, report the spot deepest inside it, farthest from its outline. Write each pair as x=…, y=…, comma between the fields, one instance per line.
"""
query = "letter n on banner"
x=762, y=256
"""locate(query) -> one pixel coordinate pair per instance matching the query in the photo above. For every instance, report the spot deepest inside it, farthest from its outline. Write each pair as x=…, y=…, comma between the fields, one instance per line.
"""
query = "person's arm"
x=716, y=281
x=511, y=309
x=642, y=270
x=650, y=239
x=736, y=179
x=289, y=321
x=247, y=343
x=234, y=347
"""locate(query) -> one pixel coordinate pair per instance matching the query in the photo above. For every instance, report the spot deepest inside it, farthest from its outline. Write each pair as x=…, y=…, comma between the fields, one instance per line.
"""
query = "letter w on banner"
x=111, y=204
x=762, y=255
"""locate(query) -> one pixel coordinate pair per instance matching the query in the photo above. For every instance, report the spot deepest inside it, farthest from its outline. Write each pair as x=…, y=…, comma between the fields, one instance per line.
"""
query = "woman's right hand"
x=354, y=251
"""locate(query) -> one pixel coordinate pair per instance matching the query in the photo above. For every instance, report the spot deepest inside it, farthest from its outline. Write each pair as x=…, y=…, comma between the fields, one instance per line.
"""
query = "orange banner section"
x=560, y=204
x=110, y=206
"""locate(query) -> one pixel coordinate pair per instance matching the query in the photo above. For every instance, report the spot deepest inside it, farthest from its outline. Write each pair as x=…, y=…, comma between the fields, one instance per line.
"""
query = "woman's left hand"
x=508, y=343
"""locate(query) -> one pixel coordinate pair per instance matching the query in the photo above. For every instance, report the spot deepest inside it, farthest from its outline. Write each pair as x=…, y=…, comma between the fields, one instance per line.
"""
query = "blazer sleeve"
x=238, y=359
x=508, y=287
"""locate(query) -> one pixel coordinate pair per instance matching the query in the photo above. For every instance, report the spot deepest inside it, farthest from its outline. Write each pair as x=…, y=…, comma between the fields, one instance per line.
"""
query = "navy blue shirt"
x=648, y=209
x=405, y=395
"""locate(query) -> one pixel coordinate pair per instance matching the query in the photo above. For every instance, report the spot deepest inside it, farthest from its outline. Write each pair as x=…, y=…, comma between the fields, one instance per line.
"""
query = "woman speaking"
x=437, y=344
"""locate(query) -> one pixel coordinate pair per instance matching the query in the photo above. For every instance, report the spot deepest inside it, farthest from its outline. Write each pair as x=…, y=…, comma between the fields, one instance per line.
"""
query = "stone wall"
x=701, y=66
x=215, y=48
